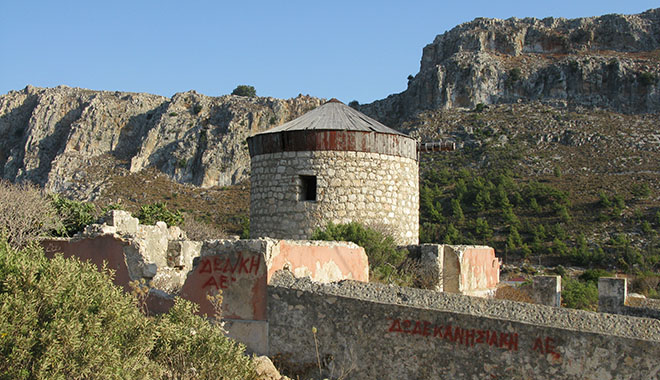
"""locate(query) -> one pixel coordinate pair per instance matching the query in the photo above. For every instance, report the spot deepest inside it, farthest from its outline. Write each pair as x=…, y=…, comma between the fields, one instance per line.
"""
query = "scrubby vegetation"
x=26, y=213
x=61, y=318
x=150, y=214
x=528, y=219
x=387, y=263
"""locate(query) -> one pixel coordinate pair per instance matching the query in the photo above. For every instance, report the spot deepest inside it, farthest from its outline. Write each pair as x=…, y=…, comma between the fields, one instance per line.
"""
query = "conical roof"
x=334, y=115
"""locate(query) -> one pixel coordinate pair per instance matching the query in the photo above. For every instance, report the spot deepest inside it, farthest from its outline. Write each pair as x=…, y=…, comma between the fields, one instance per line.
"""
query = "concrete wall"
x=463, y=269
x=380, y=332
x=321, y=261
x=613, y=298
x=546, y=290
x=472, y=270
x=371, y=188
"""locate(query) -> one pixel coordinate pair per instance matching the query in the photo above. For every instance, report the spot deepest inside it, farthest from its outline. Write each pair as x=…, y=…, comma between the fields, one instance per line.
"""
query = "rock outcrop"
x=74, y=141
x=71, y=139
x=610, y=62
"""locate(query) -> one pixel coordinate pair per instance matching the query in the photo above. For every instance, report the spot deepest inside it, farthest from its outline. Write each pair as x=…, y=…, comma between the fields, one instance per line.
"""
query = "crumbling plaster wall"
x=381, y=332
x=464, y=269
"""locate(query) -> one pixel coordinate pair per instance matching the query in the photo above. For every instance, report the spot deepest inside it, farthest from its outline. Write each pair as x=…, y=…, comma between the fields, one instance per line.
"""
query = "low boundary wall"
x=381, y=332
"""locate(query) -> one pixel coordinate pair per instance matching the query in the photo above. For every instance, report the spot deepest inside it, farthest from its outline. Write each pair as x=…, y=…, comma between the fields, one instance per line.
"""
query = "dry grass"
x=512, y=294
x=26, y=213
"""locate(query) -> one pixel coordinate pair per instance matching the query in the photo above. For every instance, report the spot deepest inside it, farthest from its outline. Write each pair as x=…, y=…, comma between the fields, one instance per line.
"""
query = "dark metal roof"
x=334, y=115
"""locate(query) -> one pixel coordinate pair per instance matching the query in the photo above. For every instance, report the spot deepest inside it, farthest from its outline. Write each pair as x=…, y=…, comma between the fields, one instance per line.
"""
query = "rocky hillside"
x=76, y=141
x=610, y=62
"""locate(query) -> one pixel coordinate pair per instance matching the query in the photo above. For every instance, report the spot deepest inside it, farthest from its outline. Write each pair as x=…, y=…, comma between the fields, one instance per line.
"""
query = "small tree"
x=245, y=90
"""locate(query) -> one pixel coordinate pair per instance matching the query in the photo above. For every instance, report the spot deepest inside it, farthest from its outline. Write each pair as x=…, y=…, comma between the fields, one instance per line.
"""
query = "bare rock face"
x=611, y=62
x=72, y=140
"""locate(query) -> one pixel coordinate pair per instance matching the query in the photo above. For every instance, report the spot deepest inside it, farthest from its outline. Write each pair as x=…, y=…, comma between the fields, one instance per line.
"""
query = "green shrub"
x=245, y=90
x=576, y=294
x=457, y=211
x=385, y=259
x=513, y=240
x=603, y=200
x=189, y=347
x=452, y=235
x=26, y=213
x=63, y=319
x=647, y=78
x=642, y=190
x=75, y=215
x=482, y=229
x=592, y=275
x=158, y=212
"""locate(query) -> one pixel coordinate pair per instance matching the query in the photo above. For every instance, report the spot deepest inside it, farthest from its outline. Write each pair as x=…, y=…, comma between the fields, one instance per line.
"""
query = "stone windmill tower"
x=333, y=164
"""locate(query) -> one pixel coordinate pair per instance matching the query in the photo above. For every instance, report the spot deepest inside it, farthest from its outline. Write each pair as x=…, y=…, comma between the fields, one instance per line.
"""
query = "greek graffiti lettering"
x=456, y=334
x=223, y=272
x=472, y=337
x=546, y=346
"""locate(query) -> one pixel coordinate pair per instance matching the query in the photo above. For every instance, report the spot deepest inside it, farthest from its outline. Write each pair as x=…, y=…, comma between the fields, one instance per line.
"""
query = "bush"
x=641, y=190
x=385, y=259
x=244, y=90
x=647, y=78
x=26, y=213
x=158, y=212
x=75, y=215
x=63, y=319
x=592, y=275
x=190, y=347
x=576, y=294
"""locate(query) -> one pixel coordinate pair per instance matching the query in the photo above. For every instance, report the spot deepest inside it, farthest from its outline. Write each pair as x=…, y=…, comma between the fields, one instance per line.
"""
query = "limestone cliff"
x=71, y=140
x=610, y=62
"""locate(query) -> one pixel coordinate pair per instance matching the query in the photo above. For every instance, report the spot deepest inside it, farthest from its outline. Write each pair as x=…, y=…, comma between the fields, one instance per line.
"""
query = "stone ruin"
x=162, y=258
x=277, y=291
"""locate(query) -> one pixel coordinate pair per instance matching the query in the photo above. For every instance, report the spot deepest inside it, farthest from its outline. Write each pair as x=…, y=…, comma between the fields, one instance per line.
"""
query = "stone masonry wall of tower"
x=375, y=189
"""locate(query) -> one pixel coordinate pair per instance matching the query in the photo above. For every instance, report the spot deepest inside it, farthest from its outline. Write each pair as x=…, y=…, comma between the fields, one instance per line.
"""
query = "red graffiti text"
x=546, y=346
x=223, y=271
x=456, y=334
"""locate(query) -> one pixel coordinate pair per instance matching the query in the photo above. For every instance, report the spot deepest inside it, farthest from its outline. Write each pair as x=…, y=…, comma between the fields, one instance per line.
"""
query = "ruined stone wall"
x=371, y=188
x=613, y=298
x=379, y=332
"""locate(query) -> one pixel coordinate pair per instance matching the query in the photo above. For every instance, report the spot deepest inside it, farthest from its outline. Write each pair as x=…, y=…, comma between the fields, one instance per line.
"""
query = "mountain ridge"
x=66, y=138
x=610, y=62
x=50, y=135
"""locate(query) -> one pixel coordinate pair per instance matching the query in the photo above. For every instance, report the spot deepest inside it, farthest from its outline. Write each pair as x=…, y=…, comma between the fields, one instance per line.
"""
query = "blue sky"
x=351, y=50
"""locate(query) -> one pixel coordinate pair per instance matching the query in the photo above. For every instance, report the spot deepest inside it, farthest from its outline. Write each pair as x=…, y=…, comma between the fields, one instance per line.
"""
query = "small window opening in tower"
x=307, y=188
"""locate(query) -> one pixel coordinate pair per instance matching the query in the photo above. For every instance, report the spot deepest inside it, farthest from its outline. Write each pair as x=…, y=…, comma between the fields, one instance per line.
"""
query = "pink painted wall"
x=242, y=275
x=242, y=278
x=321, y=263
x=480, y=269
x=96, y=250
